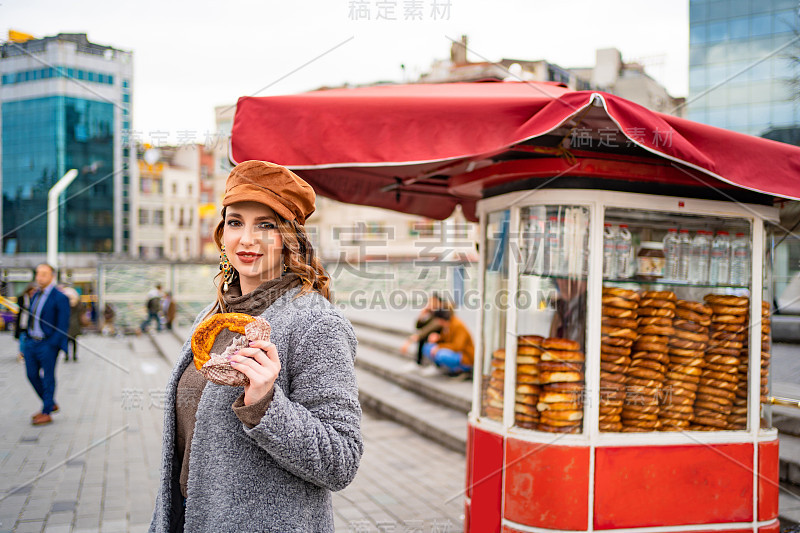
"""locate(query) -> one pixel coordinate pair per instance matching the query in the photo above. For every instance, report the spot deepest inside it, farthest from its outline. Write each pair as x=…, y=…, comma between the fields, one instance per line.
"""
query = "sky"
x=190, y=56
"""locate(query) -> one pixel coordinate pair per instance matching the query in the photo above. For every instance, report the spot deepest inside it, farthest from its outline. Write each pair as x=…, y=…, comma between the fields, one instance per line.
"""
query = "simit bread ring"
x=656, y=330
x=656, y=302
x=683, y=344
x=690, y=335
x=721, y=299
x=206, y=333
x=649, y=363
x=625, y=333
x=661, y=295
x=616, y=301
x=685, y=314
x=558, y=366
x=617, y=312
x=614, y=350
x=650, y=347
x=631, y=323
x=718, y=350
x=697, y=307
x=562, y=355
x=688, y=325
x=729, y=310
x=729, y=319
x=655, y=321
x=657, y=356
x=529, y=340
x=556, y=343
x=524, y=349
x=616, y=341
x=656, y=311
x=622, y=293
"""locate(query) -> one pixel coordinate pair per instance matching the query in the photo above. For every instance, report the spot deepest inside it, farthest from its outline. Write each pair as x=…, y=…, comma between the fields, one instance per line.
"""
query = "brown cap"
x=272, y=185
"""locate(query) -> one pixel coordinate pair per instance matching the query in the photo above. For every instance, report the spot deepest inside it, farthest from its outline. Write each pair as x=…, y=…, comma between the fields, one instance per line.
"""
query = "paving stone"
x=29, y=527
x=58, y=528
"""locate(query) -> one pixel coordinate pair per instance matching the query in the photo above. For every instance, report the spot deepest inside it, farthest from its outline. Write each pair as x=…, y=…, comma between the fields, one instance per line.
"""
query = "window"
x=189, y=192
x=174, y=189
x=172, y=214
x=158, y=217
x=143, y=218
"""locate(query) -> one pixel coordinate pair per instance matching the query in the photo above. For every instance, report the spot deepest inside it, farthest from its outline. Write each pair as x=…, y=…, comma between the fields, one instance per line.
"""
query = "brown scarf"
x=263, y=296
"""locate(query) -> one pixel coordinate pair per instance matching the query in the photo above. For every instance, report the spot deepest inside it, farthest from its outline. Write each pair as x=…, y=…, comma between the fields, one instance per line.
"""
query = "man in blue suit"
x=47, y=334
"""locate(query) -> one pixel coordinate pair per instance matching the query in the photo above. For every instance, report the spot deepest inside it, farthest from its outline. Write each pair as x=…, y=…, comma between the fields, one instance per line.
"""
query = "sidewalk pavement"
x=96, y=467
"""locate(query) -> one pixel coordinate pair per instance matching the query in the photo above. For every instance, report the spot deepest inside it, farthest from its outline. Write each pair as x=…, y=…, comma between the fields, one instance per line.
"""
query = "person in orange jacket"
x=452, y=350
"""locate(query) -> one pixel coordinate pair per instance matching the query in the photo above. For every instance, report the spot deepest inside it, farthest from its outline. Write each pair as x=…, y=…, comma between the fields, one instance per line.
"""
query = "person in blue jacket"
x=46, y=336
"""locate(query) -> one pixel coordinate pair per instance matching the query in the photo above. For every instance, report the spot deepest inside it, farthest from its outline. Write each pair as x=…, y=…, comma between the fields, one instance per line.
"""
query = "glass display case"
x=674, y=330
x=624, y=349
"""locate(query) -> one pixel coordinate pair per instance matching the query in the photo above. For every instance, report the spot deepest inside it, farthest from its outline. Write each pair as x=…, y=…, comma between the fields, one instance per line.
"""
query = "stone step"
x=430, y=419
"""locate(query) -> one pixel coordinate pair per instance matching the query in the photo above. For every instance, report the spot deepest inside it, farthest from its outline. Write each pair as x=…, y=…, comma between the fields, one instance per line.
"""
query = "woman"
x=264, y=457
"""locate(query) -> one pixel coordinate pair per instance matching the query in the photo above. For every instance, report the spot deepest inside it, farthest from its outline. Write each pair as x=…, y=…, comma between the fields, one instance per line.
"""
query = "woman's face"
x=253, y=243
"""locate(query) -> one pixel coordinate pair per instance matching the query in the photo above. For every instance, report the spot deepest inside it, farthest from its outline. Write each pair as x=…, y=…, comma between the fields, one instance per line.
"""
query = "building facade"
x=741, y=72
x=744, y=71
x=65, y=103
x=167, y=203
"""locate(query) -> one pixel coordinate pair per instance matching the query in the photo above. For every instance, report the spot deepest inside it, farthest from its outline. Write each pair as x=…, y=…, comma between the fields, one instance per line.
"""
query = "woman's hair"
x=298, y=257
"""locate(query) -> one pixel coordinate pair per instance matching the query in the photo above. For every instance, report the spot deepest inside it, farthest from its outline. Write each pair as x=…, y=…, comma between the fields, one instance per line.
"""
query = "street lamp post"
x=52, y=215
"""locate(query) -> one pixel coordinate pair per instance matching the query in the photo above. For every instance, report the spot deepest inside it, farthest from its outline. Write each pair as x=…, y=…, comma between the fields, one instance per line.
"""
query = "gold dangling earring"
x=227, y=269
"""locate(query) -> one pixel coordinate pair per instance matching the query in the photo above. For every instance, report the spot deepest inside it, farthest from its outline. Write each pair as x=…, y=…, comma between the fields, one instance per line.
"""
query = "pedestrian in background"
x=170, y=309
x=108, y=319
x=427, y=324
x=47, y=334
x=266, y=456
x=153, y=307
x=76, y=311
x=452, y=350
x=23, y=315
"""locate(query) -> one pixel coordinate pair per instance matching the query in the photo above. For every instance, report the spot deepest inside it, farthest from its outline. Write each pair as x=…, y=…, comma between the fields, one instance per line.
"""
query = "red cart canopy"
x=423, y=148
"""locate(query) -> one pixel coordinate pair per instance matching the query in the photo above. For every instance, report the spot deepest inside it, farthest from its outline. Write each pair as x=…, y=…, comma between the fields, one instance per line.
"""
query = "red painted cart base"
x=516, y=485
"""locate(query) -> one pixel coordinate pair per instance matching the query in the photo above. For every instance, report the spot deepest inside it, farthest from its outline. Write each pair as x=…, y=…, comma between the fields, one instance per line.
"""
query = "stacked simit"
x=686, y=362
x=561, y=374
x=618, y=324
x=529, y=352
x=493, y=393
x=720, y=378
x=648, y=370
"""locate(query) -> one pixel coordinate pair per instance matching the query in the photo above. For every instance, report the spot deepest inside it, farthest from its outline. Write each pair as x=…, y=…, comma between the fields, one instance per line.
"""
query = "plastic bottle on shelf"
x=740, y=260
x=609, y=251
x=531, y=243
x=701, y=250
x=553, y=247
x=624, y=252
x=719, y=270
x=684, y=254
x=671, y=255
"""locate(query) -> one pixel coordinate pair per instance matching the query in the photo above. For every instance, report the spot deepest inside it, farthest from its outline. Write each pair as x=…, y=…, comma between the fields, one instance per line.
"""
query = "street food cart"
x=620, y=380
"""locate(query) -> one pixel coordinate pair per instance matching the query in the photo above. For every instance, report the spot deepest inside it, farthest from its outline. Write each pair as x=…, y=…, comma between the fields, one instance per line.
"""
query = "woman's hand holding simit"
x=260, y=363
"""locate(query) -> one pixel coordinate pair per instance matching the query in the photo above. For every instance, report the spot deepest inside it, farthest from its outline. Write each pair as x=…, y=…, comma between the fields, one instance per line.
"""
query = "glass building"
x=743, y=76
x=64, y=104
x=740, y=68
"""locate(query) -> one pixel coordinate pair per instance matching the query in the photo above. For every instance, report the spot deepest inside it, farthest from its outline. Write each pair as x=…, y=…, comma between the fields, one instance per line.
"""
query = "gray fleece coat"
x=277, y=476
